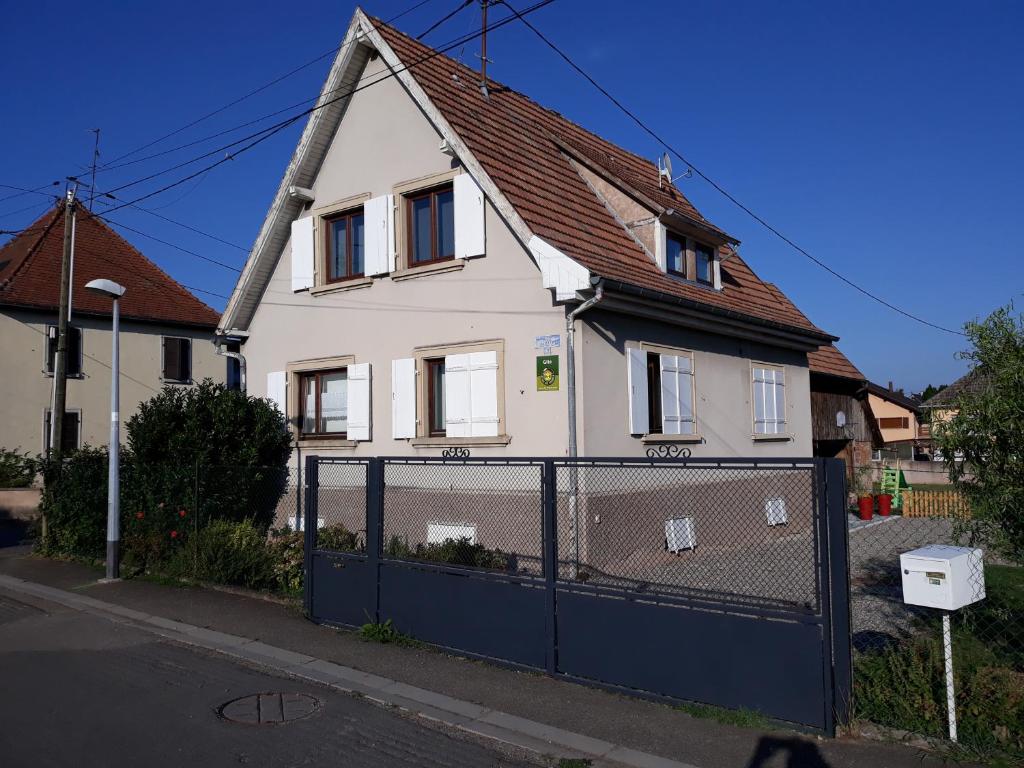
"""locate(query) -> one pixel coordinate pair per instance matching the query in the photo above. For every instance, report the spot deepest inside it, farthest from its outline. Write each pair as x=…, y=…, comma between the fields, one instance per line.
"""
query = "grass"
x=743, y=718
x=387, y=633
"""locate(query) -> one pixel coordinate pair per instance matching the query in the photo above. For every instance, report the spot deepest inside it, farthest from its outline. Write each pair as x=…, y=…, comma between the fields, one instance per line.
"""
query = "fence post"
x=374, y=526
x=309, y=541
x=298, y=488
x=833, y=472
x=550, y=562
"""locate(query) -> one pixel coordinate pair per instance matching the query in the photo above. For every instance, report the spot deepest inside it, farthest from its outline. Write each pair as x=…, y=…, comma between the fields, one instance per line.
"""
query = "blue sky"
x=882, y=137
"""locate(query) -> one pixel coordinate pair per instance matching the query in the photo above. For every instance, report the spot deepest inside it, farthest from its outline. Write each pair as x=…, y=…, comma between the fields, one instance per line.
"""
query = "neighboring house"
x=166, y=332
x=942, y=406
x=896, y=415
x=842, y=421
x=412, y=283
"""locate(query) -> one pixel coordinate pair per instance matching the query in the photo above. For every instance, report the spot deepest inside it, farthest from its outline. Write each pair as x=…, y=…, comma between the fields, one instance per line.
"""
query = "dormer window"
x=690, y=260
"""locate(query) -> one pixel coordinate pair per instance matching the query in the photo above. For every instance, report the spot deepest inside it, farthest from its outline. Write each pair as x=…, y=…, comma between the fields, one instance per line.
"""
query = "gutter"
x=218, y=341
x=570, y=355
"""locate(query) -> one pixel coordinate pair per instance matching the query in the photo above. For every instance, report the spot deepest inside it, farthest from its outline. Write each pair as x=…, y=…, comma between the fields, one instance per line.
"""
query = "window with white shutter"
x=469, y=217
x=459, y=392
x=379, y=217
x=769, y=400
x=359, y=401
x=403, y=398
x=276, y=390
x=471, y=394
x=661, y=392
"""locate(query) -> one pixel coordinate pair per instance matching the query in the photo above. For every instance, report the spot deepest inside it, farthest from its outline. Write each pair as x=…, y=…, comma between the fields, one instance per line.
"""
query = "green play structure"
x=894, y=482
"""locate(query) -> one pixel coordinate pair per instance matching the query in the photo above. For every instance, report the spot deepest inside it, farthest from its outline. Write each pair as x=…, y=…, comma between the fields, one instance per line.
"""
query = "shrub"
x=211, y=445
x=225, y=552
x=339, y=539
x=17, y=470
x=453, y=552
x=74, y=503
x=286, y=556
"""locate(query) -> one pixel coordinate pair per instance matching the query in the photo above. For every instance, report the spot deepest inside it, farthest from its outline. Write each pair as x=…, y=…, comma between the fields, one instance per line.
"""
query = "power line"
x=253, y=92
x=267, y=133
x=137, y=273
x=443, y=19
x=718, y=187
x=169, y=220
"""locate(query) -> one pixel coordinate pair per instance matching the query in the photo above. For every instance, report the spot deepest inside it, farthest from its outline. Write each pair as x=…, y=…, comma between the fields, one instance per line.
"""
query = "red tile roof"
x=30, y=274
x=829, y=360
x=515, y=140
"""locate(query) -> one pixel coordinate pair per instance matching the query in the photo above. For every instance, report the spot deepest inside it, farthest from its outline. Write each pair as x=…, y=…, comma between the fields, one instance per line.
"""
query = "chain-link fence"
x=341, y=493
x=466, y=514
x=899, y=676
x=732, y=533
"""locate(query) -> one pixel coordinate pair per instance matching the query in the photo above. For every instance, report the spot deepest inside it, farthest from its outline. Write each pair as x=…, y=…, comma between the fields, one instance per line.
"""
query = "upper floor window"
x=323, y=403
x=676, y=255
x=431, y=223
x=345, y=246
x=73, y=364
x=769, y=397
x=177, y=360
x=894, y=422
x=705, y=263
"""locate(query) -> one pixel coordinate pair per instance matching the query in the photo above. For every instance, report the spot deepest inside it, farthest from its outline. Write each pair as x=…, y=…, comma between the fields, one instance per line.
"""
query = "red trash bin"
x=867, y=507
x=884, y=504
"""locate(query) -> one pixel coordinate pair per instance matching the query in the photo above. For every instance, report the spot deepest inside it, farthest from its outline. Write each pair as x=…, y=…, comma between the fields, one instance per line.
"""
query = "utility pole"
x=60, y=367
x=483, y=49
x=95, y=159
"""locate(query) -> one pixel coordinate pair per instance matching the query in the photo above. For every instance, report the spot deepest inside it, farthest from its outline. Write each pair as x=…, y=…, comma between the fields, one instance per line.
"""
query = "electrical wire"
x=729, y=196
x=442, y=20
x=251, y=93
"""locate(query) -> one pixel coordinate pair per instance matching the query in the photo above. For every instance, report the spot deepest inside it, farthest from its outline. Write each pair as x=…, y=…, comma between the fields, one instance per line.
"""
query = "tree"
x=983, y=444
x=930, y=391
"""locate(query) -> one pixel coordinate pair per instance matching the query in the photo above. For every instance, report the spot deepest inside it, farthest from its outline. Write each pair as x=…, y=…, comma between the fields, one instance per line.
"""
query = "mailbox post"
x=947, y=578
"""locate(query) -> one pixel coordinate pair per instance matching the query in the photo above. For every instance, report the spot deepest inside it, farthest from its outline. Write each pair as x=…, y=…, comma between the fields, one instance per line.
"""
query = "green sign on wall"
x=547, y=373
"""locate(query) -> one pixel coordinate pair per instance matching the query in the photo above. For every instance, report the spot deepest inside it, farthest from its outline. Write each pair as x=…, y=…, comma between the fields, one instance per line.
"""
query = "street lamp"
x=112, y=290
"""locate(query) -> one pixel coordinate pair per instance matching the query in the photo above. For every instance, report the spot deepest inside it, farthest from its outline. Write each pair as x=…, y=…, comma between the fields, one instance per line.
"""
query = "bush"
x=209, y=444
x=453, y=552
x=17, y=470
x=225, y=552
x=74, y=504
x=338, y=539
x=286, y=557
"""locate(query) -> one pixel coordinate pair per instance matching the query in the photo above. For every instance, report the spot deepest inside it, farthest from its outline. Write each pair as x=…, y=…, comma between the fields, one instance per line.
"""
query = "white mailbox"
x=941, y=576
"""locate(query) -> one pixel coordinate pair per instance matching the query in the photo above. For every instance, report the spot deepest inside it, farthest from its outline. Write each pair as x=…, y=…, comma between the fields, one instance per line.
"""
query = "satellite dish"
x=840, y=419
x=664, y=168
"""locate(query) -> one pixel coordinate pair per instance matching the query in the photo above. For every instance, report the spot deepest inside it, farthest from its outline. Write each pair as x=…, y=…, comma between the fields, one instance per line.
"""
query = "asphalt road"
x=77, y=689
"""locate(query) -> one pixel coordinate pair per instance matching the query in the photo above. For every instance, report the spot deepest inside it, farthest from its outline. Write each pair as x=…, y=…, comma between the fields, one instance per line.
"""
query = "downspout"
x=218, y=342
x=570, y=361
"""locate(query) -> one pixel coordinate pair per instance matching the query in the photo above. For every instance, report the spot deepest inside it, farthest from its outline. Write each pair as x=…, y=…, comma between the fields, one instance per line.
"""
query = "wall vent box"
x=680, y=534
x=941, y=576
x=439, y=533
x=775, y=511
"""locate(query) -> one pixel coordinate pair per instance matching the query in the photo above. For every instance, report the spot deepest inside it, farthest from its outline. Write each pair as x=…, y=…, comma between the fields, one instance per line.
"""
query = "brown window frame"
x=904, y=422
x=316, y=376
x=654, y=408
x=711, y=263
x=679, y=239
x=184, y=362
x=430, y=363
x=328, y=243
x=411, y=198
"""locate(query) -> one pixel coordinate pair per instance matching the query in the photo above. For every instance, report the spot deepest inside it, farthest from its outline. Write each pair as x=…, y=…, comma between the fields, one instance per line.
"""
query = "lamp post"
x=112, y=290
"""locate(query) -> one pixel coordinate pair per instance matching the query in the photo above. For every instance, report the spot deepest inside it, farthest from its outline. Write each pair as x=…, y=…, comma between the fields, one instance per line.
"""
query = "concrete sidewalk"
x=531, y=711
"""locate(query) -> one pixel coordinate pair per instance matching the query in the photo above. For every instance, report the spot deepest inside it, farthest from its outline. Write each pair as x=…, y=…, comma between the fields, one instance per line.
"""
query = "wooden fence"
x=935, y=504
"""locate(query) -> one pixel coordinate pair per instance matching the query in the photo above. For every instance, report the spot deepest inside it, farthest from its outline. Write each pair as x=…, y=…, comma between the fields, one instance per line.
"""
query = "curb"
x=491, y=724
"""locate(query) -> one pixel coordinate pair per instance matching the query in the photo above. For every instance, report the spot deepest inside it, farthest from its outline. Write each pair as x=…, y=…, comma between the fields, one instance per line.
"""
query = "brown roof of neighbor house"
x=894, y=396
x=516, y=141
x=975, y=381
x=30, y=266
x=827, y=359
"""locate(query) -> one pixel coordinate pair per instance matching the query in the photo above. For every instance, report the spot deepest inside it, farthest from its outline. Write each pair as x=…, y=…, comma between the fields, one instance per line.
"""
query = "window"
x=894, y=422
x=705, y=263
x=435, y=397
x=345, y=245
x=323, y=403
x=74, y=350
x=876, y=454
x=72, y=431
x=177, y=363
x=676, y=255
x=769, y=396
x=431, y=222
x=661, y=392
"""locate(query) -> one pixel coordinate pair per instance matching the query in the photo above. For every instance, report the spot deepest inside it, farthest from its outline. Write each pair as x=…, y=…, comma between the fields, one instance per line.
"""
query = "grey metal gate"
x=718, y=581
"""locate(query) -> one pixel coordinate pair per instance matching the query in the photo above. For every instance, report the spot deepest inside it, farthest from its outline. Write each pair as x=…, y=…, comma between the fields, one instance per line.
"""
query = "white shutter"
x=277, y=390
x=469, y=217
x=359, y=401
x=302, y=253
x=379, y=223
x=760, y=407
x=456, y=396
x=717, y=274
x=769, y=401
x=483, y=394
x=676, y=395
x=636, y=381
x=403, y=398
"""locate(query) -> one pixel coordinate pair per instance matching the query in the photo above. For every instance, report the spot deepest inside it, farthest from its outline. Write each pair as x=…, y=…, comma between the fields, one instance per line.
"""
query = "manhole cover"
x=269, y=708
